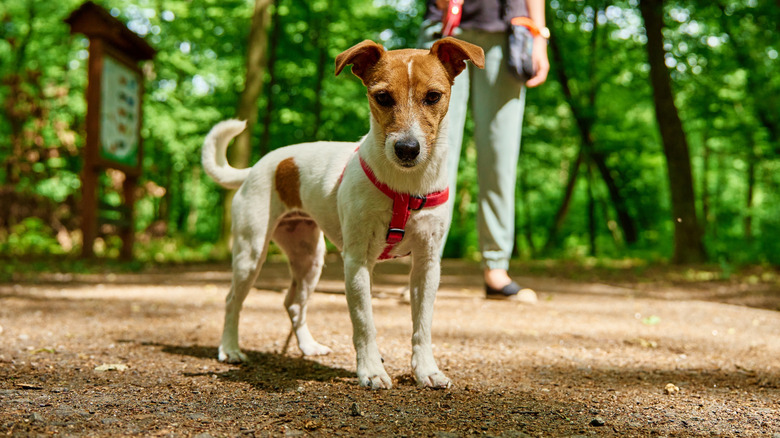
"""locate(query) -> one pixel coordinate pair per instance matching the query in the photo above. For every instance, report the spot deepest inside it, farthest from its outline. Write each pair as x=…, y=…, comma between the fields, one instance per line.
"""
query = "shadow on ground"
x=269, y=372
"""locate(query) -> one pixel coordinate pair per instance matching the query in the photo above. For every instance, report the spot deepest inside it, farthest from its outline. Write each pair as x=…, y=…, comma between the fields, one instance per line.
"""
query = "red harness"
x=403, y=205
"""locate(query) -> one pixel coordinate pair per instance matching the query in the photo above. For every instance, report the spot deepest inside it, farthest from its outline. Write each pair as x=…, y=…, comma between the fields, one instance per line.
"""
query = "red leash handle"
x=452, y=17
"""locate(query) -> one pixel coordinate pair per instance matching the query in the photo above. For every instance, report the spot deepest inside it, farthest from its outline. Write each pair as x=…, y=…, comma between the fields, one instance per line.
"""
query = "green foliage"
x=29, y=237
x=723, y=58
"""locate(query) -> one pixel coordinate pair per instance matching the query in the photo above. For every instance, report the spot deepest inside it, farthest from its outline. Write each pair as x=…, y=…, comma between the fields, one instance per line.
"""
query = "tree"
x=239, y=154
x=688, y=244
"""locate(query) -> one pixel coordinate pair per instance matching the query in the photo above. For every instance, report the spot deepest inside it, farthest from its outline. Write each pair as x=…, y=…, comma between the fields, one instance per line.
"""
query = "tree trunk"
x=240, y=152
x=688, y=245
x=591, y=211
x=563, y=209
x=625, y=220
x=273, y=49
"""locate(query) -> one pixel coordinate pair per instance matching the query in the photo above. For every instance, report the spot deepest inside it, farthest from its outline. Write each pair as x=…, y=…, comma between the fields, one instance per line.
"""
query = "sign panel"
x=120, y=112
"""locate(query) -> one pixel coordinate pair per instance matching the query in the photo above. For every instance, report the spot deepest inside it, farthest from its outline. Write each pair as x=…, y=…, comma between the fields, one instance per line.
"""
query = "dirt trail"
x=618, y=359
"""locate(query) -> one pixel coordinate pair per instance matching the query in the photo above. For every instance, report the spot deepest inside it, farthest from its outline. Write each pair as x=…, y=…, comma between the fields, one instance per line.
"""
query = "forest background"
x=656, y=137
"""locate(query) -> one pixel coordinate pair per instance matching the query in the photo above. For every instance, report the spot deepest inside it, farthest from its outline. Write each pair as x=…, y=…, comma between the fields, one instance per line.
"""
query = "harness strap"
x=403, y=205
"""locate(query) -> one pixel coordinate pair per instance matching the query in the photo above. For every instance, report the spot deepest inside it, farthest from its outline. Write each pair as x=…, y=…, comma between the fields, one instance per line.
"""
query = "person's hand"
x=442, y=4
x=541, y=63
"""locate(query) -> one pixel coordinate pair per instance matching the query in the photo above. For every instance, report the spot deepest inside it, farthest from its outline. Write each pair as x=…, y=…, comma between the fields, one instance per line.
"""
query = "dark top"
x=487, y=15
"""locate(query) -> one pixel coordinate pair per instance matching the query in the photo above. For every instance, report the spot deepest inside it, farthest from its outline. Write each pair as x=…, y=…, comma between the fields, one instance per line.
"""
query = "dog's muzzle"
x=407, y=150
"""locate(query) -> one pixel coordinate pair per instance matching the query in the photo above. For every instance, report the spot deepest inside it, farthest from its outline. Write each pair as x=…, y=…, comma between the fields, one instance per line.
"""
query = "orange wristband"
x=526, y=22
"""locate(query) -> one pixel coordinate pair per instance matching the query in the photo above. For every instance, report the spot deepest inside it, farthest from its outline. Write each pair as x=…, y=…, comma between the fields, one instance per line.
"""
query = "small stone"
x=63, y=411
x=598, y=422
x=197, y=417
x=36, y=417
x=111, y=367
x=110, y=420
x=671, y=389
x=355, y=410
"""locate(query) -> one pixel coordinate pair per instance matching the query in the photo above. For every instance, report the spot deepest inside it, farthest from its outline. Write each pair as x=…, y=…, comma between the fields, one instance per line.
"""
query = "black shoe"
x=511, y=292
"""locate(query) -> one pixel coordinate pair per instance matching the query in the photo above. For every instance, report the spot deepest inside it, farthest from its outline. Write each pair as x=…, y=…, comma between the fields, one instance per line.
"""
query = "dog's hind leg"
x=249, y=250
x=302, y=241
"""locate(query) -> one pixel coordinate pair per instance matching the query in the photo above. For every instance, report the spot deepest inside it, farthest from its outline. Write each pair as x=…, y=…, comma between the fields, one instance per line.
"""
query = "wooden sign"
x=114, y=117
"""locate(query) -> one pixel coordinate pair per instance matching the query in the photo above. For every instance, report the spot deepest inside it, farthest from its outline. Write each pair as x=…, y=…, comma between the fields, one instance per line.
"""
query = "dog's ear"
x=362, y=56
x=453, y=54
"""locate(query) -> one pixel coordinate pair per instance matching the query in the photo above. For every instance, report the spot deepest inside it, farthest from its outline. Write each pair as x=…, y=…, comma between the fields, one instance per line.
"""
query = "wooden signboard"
x=120, y=115
x=114, y=117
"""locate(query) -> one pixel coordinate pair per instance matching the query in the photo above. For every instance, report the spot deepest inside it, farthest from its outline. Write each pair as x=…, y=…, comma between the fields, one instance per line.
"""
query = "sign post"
x=114, y=115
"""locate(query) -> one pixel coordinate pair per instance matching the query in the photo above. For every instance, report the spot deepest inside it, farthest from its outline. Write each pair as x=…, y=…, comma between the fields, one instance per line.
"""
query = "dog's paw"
x=436, y=380
x=314, y=349
x=373, y=375
x=376, y=381
x=231, y=356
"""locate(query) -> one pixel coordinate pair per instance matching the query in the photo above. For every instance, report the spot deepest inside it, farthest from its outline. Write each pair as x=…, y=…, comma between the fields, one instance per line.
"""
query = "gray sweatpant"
x=497, y=103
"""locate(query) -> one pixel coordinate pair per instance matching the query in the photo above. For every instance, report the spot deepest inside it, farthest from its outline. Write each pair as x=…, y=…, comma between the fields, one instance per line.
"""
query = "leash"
x=451, y=19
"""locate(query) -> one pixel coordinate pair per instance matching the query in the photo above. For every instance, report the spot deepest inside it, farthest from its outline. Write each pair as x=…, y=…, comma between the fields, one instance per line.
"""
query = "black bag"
x=521, y=45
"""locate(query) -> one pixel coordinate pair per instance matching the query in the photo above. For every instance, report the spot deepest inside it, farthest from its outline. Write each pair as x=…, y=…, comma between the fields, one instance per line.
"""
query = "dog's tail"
x=214, y=158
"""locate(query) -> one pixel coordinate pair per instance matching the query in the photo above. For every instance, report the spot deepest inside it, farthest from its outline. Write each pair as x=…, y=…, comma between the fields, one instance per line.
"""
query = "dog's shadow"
x=270, y=372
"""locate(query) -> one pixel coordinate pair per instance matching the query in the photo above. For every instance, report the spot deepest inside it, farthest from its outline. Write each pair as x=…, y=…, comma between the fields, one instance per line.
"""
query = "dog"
x=376, y=199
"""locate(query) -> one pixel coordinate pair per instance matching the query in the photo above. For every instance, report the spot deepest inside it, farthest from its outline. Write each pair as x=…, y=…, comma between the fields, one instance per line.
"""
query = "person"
x=498, y=99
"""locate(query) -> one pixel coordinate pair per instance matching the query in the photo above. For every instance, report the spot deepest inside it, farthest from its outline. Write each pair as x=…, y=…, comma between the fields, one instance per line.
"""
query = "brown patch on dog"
x=453, y=52
x=289, y=222
x=288, y=183
x=408, y=76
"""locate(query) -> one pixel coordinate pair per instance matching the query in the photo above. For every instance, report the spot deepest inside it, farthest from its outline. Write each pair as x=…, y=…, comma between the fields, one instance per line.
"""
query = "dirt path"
x=624, y=359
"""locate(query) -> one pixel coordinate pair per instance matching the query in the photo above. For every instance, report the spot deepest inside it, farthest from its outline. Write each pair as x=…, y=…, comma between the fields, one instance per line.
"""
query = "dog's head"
x=409, y=92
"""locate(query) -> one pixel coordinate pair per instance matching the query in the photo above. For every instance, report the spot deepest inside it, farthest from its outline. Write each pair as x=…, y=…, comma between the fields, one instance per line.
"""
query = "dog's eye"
x=432, y=97
x=383, y=98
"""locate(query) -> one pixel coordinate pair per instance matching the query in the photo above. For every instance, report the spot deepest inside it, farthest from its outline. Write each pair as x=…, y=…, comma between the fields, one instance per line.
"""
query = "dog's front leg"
x=370, y=371
x=424, y=283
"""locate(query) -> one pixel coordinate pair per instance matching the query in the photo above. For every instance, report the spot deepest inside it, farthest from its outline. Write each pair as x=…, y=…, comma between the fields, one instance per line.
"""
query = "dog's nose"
x=407, y=149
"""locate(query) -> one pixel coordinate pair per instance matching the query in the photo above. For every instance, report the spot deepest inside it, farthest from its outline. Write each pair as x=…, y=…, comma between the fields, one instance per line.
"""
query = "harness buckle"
x=421, y=199
x=394, y=235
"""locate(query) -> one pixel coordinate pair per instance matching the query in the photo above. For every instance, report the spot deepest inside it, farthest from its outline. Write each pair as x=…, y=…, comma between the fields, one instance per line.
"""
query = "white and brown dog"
x=376, y=199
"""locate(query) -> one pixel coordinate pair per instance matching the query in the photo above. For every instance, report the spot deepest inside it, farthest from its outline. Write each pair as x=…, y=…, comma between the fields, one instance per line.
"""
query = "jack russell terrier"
x=377, y=199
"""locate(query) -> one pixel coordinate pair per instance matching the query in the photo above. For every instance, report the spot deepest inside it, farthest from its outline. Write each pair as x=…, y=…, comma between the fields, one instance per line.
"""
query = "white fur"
x=354, y=215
